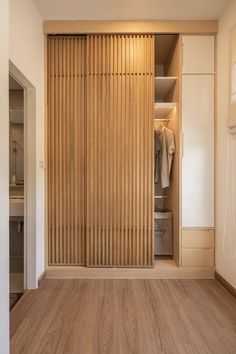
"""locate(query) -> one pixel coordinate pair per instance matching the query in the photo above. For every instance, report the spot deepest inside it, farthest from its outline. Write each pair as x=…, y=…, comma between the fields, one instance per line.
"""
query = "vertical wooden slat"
x=125, y=162
x=119, y=149
x=76, y=205
x=66, y=167
x=72, y=154
x=118, y=152
x=139, y=159
x=109, y=172
x=56, y=150
x=49, y=129
x=64, y=196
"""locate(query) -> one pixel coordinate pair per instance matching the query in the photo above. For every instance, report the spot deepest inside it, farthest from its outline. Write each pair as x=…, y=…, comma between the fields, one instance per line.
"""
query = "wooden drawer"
x=198, y=238
x=198, y=257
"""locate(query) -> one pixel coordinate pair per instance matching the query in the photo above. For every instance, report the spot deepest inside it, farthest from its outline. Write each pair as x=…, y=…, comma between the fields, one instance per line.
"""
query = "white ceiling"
x=131, y=9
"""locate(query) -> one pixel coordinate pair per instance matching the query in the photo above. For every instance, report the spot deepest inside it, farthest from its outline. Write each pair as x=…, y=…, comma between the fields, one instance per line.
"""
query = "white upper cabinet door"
x=198, y=55
x=198, y=151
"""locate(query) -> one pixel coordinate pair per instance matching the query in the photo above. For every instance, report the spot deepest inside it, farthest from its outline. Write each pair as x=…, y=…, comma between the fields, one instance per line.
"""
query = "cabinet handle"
x=182, y=145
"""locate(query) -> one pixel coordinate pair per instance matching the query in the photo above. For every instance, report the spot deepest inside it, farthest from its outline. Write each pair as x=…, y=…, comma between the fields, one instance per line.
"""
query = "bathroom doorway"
x=16, y=190
x=22, y=180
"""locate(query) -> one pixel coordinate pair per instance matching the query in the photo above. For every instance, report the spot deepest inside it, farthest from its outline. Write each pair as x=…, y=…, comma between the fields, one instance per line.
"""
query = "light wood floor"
x=84, y=316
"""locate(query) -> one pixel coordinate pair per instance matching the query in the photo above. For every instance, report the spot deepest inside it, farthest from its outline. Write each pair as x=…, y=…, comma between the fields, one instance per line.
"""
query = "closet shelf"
x=163, y=84
x=162, y=109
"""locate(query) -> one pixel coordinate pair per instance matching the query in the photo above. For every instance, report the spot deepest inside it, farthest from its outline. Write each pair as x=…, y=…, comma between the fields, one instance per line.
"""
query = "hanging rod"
x=162, y=196
x=162, y=119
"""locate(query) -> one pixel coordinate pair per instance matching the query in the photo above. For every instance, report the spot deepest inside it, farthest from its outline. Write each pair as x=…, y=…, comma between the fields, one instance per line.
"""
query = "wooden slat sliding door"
x=66, y=150
x=119, y=150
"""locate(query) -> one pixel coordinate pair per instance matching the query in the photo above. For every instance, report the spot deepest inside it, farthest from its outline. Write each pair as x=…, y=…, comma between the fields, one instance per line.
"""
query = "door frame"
x=30, y=242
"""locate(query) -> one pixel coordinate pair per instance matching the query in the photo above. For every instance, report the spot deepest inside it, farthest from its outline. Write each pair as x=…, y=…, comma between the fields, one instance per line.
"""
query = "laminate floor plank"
x=124, y=316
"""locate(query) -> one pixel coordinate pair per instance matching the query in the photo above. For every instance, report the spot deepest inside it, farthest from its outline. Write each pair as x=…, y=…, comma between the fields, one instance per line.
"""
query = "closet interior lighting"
x=162, y=119
x=164, y=105
x=163, y=109
x=162, y=196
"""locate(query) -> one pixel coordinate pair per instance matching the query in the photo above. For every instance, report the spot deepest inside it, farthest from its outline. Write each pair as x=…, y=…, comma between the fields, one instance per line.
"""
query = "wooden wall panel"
x=134, y=27
x=119, y=150
x=66, y=150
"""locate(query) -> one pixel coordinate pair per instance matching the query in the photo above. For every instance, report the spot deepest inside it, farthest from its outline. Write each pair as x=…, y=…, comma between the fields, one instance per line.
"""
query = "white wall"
x=226, y=158
x=4, y=181
x=26, y=53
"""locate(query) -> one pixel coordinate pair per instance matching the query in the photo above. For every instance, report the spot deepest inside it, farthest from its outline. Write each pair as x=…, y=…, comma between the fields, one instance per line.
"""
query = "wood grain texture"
x=125, y=316
x=198, y=257
x=135, y=27
x=46, y=117
x=119, y=150
x=66, y=149
x=198, y=238
x=173, y=68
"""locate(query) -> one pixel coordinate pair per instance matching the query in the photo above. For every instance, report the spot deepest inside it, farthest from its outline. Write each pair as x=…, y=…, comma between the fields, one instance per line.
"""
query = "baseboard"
x=41, y=278
x=163, y=269
x=225, y=284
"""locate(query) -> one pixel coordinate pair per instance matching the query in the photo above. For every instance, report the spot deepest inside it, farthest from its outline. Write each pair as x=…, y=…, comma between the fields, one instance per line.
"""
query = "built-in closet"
x=108, y=96
x=166, y=116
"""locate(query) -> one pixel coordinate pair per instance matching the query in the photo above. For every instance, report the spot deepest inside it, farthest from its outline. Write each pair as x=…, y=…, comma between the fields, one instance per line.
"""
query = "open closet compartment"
x=166, y=118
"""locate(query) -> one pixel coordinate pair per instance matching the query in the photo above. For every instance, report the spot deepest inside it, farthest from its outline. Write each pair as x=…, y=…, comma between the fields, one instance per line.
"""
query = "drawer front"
x=198, y=257
x=198, y=238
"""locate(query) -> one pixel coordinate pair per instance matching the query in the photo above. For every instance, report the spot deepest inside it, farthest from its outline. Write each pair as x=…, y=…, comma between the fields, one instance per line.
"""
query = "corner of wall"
x=226, y=150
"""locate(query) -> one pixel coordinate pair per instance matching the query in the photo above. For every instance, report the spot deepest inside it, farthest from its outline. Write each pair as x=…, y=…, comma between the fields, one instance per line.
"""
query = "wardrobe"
x=105, y=94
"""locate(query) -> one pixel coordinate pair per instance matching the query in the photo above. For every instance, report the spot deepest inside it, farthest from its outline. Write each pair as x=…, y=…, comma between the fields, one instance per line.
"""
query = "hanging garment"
x=157, y=157
x=168, y=149
x=164, y=150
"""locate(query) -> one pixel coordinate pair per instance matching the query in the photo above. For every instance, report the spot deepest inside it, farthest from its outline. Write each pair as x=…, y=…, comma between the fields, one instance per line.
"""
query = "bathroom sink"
x=16, y=206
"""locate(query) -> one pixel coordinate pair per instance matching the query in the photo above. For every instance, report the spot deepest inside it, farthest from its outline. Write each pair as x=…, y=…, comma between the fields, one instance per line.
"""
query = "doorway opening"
x=22, y=182
x=16, y=189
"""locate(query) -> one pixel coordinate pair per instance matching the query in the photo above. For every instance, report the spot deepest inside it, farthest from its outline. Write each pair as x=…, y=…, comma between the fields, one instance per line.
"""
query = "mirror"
x=16, y=136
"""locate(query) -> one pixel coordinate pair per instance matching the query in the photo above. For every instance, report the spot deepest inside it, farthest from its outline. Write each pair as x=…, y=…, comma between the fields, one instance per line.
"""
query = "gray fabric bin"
x=163, y=239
